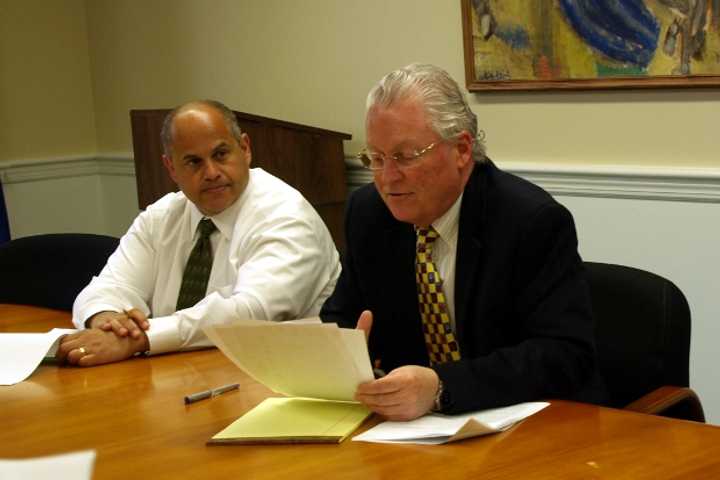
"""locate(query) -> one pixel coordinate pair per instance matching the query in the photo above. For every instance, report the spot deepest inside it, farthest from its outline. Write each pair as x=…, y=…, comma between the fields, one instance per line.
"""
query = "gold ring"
x=83, y=351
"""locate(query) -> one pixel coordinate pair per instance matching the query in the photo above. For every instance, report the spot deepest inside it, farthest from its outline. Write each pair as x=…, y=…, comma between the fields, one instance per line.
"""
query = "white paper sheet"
x=435, y=429
x=21, y=353
x=314, y=360
x=76, y=465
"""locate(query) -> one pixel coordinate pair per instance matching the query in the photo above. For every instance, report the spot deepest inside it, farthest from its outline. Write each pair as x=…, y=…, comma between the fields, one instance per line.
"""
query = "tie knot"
x=206, y=227
x=426, y=238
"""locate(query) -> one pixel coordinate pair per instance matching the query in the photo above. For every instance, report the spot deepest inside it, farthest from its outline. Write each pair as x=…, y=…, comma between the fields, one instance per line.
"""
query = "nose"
x=390, y=172
x=212, y=172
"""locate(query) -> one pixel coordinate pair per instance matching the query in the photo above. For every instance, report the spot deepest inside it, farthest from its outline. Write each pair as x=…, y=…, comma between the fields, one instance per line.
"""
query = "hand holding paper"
x=403, y=394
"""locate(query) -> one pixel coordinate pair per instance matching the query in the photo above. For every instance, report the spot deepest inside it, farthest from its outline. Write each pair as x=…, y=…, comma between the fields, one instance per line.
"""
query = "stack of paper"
x=294, y=420
x=319, y=363
x=21, y=353
x=435, y=429
x=77, y=465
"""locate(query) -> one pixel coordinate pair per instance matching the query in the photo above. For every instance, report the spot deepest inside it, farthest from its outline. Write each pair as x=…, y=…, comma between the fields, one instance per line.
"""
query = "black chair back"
x=643, y=331
x=50, y=270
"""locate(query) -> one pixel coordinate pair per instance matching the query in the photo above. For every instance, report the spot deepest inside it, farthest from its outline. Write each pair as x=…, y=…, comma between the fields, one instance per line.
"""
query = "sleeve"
x=343, y=307
x=289, y=266
x=126, y=281
x=554, y=353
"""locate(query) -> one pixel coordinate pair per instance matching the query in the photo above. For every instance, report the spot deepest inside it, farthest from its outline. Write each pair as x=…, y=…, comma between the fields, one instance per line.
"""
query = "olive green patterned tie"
x=197, y=269
x=439, y=337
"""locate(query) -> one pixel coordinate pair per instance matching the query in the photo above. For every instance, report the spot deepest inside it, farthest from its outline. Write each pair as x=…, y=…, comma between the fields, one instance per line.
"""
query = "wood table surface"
x=132, y=413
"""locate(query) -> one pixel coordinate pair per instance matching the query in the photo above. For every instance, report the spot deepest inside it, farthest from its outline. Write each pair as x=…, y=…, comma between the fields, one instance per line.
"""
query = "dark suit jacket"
x=522, y=311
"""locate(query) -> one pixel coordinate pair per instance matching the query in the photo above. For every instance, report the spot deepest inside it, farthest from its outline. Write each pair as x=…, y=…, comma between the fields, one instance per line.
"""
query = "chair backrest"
x=50, y=270
x=643, y=331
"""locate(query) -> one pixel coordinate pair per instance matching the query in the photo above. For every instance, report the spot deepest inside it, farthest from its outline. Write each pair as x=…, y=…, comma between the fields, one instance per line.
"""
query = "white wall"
x=54, y=205
x=70, y=194
x=118, y=194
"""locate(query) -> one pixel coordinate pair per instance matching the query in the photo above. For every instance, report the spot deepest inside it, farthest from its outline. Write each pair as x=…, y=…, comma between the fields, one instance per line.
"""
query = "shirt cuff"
x=163, y=335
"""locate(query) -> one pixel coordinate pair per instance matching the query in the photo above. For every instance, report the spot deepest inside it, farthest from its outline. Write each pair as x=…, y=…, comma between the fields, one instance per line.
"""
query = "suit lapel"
x=469, y=248
x=399, y=272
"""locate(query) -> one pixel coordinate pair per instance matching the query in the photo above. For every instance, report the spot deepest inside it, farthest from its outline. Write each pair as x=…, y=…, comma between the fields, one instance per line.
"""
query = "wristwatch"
x=442, y=398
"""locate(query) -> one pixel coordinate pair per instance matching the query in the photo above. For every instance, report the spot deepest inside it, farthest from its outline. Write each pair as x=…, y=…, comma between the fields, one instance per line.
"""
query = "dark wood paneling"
x=257, y=132
x=308, y=158
x=151, y=177
x=310, y=162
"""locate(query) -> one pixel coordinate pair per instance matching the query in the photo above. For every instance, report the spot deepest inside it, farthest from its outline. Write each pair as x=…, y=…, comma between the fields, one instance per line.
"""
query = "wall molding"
x=34, y=170
x=116, y=164
x=604, y=181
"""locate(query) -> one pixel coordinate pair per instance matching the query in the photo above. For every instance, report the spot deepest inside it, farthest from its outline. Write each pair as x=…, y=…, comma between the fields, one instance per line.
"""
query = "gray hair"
x=443, y=101
x=166, y=133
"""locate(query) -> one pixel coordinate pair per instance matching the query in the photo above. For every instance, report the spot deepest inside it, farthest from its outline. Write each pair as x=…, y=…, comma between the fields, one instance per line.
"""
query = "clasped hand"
x=132, y=322
x=112, y=337
x=403, y=394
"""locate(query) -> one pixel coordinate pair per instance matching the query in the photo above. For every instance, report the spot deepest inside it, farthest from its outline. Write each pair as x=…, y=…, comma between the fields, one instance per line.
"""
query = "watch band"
x=438, y=405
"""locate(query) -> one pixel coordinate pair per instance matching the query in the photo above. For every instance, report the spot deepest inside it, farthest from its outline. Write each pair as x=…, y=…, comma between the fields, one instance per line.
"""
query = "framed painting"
x=585, y=44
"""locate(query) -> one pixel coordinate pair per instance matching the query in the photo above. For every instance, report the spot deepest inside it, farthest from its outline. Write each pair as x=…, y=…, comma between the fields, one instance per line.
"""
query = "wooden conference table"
x=133, y=414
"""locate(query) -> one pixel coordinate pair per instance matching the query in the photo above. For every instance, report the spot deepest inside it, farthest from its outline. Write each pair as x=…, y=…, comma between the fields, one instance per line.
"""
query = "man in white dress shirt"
x=272, y=256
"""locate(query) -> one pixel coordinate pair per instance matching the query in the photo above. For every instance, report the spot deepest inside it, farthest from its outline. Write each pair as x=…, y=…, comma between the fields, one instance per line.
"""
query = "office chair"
x=643, y=341
x=50, y=270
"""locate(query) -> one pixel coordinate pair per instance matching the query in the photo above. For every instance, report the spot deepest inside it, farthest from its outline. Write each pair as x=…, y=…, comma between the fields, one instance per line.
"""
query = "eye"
x=404, y=158
x=376, y=159
x=192, y=161
x=220, y=154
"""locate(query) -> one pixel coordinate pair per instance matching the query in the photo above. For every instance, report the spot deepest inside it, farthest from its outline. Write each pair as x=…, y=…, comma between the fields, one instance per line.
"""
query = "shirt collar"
x=447, y=225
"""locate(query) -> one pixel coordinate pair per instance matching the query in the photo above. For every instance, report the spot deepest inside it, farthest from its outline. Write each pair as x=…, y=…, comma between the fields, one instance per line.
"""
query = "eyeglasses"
x=376, y=161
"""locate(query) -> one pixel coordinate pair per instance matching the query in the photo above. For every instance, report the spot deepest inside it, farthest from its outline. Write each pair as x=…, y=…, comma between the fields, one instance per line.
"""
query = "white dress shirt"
x=444, y=253
x=273, y=259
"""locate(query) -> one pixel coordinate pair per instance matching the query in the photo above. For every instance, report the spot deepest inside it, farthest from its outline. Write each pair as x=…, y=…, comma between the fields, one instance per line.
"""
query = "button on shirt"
x=273, y=259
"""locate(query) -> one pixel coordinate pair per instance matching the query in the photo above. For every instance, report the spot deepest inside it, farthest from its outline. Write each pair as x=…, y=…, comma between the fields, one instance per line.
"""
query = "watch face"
x=444, y=399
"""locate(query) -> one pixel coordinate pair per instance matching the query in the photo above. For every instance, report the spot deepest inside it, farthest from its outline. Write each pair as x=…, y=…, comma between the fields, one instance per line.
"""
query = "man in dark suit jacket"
x=516, y=306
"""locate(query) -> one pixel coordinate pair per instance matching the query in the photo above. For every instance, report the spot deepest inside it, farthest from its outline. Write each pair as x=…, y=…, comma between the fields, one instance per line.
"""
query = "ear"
x=464, y=146
x=245, y=148
x=170, y=167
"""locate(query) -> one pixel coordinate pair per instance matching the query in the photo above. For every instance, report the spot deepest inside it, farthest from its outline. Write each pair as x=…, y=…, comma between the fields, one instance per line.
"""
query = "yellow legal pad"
x=294, y=420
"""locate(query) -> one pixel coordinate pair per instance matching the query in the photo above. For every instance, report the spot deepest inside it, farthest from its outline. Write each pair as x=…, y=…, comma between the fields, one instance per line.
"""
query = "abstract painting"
x=581, y=44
